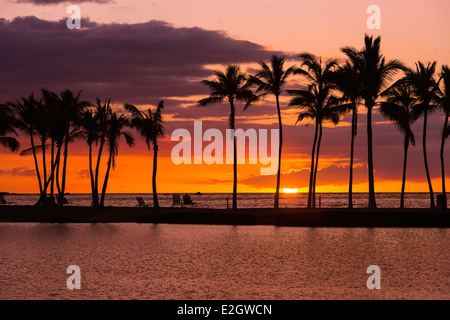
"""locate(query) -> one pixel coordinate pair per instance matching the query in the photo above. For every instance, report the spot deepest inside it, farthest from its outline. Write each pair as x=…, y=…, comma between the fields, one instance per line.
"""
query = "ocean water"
x=148, y=261
x=245, y=200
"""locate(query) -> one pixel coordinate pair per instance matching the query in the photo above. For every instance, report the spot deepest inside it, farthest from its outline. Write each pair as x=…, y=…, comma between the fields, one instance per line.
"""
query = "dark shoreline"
x=295, y=217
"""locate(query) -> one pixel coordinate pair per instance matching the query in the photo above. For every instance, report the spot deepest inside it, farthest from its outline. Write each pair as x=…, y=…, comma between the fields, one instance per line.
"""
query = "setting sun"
x=289, y=190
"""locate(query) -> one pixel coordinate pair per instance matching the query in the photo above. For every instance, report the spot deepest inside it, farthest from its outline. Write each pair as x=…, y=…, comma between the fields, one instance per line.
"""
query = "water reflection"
x=141, y=261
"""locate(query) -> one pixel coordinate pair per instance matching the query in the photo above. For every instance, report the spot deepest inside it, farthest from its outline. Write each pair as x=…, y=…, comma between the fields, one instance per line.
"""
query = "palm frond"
x=160, y=107
x=128, y=138
x=135, y=112
x=10, y=143
x=37, y=149
x=305, y=115
x=210, y=101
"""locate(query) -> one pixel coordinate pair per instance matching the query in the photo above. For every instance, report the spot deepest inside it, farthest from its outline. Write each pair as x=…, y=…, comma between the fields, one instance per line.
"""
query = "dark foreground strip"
x=220, y=309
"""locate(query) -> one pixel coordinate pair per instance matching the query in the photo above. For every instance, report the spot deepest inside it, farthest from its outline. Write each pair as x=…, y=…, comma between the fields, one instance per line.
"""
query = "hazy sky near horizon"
x=141, y=51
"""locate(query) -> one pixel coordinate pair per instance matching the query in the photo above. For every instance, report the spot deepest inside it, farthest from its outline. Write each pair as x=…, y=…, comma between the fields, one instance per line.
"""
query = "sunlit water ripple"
x=146, y=261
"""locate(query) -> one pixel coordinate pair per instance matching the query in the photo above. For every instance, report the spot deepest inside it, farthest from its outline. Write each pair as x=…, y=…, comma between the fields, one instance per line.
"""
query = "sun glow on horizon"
x=290, y=190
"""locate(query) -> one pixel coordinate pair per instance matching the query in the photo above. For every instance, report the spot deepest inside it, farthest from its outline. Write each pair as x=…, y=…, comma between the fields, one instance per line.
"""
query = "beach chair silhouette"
x=4, y=202
x=141, y=202
x=65, y=201
x=176, y=200
x=187, y=199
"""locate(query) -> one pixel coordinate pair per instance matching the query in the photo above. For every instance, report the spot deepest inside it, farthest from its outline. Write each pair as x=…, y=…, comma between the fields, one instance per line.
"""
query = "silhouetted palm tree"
x=374, y=73
x=51, y=118
x=318, y=104
x=95, y=122
x=115, y=129
x=346, y=80
x=25, y=111
x=95, y=127
x=102, y=113
x=424, y=88
x=444, y=102
x=7, y=127
x=271, y=80
x=51, y=102
x=231, y=85
x=92, y=135
x=150, y=126
x=42, y=127
x=72, y=108
x=398, y=108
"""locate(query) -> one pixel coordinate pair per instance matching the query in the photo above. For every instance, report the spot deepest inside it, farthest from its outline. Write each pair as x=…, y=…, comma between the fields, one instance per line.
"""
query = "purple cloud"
x=136, y=63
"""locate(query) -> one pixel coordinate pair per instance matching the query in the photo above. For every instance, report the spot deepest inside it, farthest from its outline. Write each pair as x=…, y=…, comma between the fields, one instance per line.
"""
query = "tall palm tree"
x=271, y=80
x=374, y=74
x=425, y=89
x=92, y=135
x=115, y=129
x=317, y=104
x=95, y=126
x=7, y=127
x=42, y=130
x=102, y=114
x=49, y=118
x=25, y=111
x=52, y=107
x=346, y=80
x=231, y=85
x=444, y=102
x=72, y=108
x=150, y=126
x=39, y=116
x=398, y=108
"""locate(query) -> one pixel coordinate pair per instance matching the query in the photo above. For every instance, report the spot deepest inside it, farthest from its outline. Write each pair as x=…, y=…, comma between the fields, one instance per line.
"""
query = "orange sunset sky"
x=141, y=52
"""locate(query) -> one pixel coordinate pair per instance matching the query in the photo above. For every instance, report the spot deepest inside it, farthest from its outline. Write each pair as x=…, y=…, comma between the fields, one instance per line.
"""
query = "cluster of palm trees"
x=333, y=90
x=330, y=92
x=55, y=121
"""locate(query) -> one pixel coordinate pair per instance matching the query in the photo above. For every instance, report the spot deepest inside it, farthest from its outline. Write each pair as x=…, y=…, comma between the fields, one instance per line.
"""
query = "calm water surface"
x=245, y=200
x=146, y=261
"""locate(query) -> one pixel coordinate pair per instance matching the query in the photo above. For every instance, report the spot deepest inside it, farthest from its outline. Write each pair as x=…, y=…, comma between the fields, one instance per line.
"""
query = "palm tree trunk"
x=311, y=173
x=280, y=127
x=372, y=201
x=105, y=183
x=44, y=170
x=54, y=163
x=58, y=185
x=316, y=165
x=36, y=165
x=97, y=170
x=352, y=149
x=44, y=164
x=155, y=164
x=63, y=180
x=91, y=173
x=424, y=142
x=234, y=156
x=405, y=158
x=444, y=193
x=58, y=162
x=52, y=181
